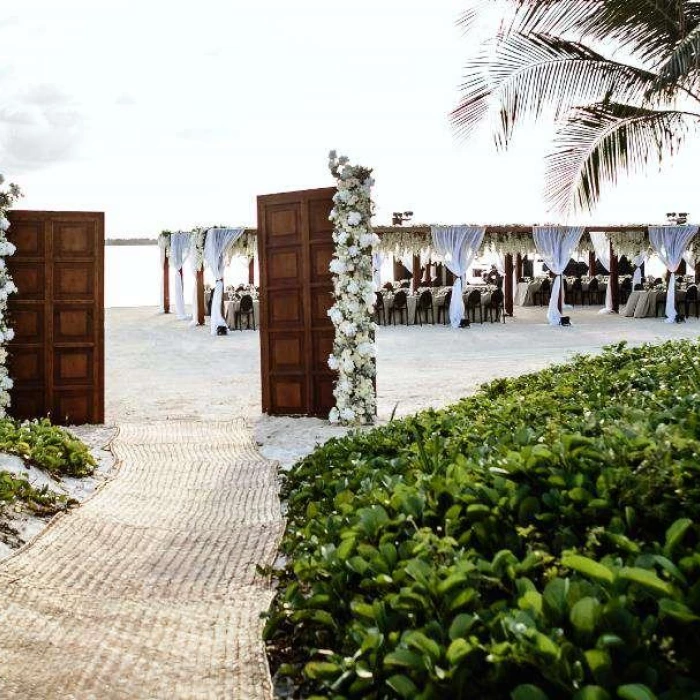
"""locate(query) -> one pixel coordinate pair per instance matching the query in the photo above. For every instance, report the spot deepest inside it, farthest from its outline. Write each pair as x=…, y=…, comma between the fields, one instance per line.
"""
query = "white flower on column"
x=354, y=218
x=4, y=224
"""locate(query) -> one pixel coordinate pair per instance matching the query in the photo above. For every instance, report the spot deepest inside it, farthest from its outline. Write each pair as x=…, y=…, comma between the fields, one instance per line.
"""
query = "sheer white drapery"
x=556, y=244
x=193, y=263
x=458, y=246
x=638, y=260
x=179, y=250
x=216, y=245
x=601, y=246
x=669, y=243
x=377, y=262
x=689, y=261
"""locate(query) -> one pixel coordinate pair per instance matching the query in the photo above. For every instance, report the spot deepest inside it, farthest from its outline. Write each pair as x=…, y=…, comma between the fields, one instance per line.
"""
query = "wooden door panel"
x=74, y=239
x=57, y=356
x=73, y=324
x=26, y=367
x=28, y=236
x=74, y=280
x=30, y=280
x=27, y=323
x=295, y=247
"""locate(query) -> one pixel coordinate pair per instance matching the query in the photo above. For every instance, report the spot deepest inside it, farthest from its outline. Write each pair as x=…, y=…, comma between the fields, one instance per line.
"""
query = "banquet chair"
x=660, y=303
x=474, y=303
x=424, y=307
x=543, y=293
x=443, y=308
x=245, y=309
x=379, y=311
x=593, y=293
x=576, y=291
x=399, y=303
x=639, y=287
x=496, y=304
x=625, y=289
x=691, y=298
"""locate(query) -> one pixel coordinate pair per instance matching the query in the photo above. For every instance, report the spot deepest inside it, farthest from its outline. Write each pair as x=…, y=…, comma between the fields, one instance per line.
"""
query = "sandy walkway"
x=150, y=590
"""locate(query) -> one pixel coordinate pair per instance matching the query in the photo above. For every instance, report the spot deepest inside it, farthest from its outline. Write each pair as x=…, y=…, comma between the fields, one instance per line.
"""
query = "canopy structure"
x=509, y=243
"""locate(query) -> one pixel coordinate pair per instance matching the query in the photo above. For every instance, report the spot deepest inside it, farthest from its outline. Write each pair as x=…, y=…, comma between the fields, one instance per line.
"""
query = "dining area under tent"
x=430, y=274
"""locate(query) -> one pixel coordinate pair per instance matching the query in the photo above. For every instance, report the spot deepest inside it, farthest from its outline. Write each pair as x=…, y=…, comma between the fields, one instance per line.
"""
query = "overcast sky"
x=172, y=114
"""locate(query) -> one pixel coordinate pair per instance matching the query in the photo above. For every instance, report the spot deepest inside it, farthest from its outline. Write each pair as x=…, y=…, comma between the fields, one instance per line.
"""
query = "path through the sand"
x=150, y=590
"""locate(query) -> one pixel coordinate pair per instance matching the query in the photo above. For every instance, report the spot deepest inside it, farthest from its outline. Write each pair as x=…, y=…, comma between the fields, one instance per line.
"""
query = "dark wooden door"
x=295, y=247
x=56, y=359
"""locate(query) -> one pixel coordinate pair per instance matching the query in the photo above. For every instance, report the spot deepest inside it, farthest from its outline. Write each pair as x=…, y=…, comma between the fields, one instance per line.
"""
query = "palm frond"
x=683, y=64
x=528, y=73
x=599, y=142
x=648, y=29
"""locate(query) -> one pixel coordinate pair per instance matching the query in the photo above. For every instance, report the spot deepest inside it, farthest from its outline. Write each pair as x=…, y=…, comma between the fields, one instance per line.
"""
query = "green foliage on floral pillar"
x=8, y=196
x=354, y=347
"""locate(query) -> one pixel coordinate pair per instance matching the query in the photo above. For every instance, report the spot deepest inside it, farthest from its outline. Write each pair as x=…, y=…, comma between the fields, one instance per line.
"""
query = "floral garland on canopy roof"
x=246, y=246
x=7, y=198
x=354, y=349
x=629, y=243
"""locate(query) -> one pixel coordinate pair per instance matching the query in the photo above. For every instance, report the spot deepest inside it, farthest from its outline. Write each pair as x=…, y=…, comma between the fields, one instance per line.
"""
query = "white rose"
x=341, y=237
x=336, y=315
x=334, y=415
x=4, y=224
x=354, y=218
x=353, y=287
x=337, y=267
x=348, y=365
x=353, y=251
x=9, y=334
x=347, y=414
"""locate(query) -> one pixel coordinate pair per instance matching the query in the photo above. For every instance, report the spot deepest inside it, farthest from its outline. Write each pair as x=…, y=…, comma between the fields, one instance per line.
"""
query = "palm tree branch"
x=529, y=72
x=598, y=142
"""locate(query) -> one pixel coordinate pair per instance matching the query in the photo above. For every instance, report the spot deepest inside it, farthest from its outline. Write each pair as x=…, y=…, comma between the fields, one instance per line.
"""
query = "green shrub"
x=41, y=501
x=538, y=540
x=46, y=446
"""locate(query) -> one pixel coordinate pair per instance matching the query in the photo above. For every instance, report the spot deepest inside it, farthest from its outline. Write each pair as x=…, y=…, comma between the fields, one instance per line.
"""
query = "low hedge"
x=537, y=540
x=46, y=446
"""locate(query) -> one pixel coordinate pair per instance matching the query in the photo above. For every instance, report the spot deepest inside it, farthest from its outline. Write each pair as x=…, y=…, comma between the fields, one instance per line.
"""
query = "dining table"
x=231, y=306
x=642, y=302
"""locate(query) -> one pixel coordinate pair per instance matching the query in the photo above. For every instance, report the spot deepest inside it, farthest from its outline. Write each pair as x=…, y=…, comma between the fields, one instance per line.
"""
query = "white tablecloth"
x=230, y=308
x=642, y=303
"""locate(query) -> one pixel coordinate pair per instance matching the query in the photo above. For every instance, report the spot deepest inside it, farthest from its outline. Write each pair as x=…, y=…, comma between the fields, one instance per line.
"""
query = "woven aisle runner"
x=150, y=589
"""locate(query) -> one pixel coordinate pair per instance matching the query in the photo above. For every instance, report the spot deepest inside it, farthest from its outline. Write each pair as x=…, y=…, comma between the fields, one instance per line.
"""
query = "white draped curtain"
x=601, y=246
x=377, y=262
x=638, y=260
x=193, y=262
x=217, y=243
x=179, y=250
x=669, y=243
x=458, y=246
x=556, y=245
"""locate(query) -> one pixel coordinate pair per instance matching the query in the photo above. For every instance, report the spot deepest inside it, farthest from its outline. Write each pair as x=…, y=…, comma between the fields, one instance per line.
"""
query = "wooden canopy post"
x=614, y=280
x=166, y=285
x=415, y=282
x=519, y=266
x=697, y=270
x=251, y=272
x=508, y=285
x=591, y=264
x=200, y=297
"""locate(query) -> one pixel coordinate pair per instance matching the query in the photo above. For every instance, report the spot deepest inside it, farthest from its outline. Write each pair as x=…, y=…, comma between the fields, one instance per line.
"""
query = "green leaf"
x=403, y=686
x=322, y=669
x=592, y=692
x=461, y=625
x=588, y=567
x=635, y=691
x=676, y=610
x=420, y=642
x=584, y=615
x=528, y=692
x=646, y=579
x=457, y=650
x=675, y=534
x=404, y=658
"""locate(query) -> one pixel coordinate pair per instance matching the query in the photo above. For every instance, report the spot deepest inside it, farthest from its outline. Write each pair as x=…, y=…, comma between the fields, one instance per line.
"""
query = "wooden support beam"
x=251, y=271
x=200, y=298
x=166, y=286
x=697, y=271
x=447, y=278
x=614, y=281
x=397, y=270
x=415, y=283
x=508, y=284
x=519, y=266
x=591, y=264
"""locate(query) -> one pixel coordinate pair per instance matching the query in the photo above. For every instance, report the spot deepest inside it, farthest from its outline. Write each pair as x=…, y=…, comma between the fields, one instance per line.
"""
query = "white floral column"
x=354, y=349
x=7, y=287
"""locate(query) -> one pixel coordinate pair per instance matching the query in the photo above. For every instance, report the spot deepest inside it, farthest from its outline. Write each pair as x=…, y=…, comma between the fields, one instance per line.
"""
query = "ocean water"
x=134, y=276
